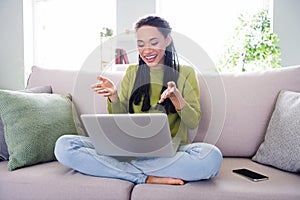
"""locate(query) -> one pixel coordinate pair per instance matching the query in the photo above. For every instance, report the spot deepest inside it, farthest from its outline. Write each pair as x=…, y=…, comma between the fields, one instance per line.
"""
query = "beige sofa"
x=236, y=112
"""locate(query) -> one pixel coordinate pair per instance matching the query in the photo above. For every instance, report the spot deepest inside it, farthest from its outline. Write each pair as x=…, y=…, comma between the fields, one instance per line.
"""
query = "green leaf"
x=252, y=43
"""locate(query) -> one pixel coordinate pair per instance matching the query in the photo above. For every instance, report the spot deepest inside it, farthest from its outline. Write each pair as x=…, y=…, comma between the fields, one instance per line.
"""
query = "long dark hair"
x=142, y=85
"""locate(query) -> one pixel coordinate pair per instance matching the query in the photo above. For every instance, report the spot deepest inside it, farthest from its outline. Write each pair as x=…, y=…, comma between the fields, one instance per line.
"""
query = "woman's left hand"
x=174, y=95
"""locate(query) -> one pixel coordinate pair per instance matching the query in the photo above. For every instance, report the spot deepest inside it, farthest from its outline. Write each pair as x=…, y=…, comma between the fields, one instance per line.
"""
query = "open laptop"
x=133, y=135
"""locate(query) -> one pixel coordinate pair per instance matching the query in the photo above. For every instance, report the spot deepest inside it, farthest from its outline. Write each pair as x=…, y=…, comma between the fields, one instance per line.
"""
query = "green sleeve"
x=190, y=114
x=125, y=92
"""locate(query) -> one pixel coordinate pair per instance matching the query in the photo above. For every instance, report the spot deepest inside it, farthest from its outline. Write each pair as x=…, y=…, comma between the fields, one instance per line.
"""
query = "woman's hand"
x=106, y=88
x=174, y=95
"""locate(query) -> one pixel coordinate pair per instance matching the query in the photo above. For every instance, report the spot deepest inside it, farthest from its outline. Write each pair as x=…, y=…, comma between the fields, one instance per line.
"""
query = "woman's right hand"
x=106, y=88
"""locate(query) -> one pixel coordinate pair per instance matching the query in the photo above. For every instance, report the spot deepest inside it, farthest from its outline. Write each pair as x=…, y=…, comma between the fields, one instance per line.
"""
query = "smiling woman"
x=157, y=84
x=152, y=45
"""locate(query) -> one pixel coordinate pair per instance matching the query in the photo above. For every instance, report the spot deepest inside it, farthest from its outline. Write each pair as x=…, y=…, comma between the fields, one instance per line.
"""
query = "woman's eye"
x=154, y=43
x=140, y=44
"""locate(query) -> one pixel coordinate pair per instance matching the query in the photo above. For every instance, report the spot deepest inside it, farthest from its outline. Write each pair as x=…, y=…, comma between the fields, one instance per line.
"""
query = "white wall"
x=129, y=11
x=287, y=26
x=12, y=44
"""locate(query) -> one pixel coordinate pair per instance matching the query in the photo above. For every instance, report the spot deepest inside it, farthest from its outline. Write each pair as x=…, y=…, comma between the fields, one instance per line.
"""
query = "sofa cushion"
x=228, y=185
x=54, y=181
x=281, y=147
x=32, y=123
x=4, y=155
x=237, y=116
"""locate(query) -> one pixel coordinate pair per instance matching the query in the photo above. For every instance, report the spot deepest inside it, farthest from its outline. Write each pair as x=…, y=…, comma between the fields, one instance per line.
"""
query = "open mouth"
x=150, y=58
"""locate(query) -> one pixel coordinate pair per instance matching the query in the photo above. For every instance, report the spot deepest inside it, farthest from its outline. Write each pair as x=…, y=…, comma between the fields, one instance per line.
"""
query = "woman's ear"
x=168, y=40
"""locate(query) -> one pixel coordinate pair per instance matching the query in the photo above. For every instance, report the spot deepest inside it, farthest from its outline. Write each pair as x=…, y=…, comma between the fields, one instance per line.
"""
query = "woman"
x=157, y=84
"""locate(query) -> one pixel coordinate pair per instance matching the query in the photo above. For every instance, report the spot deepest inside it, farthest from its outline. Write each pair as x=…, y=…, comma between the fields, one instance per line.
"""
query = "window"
x=65, y=32
x=208, y=23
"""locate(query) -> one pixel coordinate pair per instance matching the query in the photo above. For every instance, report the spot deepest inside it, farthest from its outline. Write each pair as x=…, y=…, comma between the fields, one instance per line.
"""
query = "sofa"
x=236, y=116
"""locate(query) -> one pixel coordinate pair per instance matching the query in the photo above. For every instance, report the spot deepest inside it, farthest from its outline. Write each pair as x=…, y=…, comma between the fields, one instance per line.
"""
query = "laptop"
x=131, y=135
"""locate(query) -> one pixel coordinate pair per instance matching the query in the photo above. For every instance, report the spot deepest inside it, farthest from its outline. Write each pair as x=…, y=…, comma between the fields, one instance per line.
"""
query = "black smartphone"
x=254, y=176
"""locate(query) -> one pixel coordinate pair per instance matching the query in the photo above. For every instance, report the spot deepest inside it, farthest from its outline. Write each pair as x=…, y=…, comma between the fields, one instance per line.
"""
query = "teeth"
x=149, y=57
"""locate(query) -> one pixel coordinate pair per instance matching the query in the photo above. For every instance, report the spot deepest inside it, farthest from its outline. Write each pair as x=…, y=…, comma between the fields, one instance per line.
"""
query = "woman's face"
x=152, y=45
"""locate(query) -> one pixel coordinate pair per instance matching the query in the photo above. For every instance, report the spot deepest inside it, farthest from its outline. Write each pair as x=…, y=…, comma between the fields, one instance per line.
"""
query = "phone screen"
x=254, y=176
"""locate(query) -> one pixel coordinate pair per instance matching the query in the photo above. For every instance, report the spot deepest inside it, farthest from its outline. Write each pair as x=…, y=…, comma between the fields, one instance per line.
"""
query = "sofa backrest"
x=236, y=108
x=249, y=102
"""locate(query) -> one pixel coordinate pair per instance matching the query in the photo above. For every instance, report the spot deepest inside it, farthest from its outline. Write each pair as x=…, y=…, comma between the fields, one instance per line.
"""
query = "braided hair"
x=141, y=88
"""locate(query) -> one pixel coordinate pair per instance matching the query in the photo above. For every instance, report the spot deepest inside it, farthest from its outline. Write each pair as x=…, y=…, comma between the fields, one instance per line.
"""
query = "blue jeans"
x=192, y=162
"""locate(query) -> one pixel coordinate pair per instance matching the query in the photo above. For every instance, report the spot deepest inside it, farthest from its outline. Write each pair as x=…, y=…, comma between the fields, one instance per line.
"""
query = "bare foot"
x=163, y=180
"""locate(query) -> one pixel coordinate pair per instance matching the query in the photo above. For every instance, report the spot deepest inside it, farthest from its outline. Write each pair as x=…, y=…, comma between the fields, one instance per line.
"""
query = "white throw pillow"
x=281, y=147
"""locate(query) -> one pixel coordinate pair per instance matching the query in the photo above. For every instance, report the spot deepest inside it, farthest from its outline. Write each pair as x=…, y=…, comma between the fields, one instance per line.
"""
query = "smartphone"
x=254, y=176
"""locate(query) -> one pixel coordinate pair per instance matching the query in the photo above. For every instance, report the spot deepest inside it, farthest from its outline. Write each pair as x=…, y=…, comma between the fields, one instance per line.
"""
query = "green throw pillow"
x=33, y=123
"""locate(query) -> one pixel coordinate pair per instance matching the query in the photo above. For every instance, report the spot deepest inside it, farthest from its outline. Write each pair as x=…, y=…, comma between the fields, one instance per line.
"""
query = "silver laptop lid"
x=140, y=135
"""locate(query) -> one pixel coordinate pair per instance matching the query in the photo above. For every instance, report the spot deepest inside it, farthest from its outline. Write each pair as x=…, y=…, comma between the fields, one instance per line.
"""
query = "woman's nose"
x=147, y=49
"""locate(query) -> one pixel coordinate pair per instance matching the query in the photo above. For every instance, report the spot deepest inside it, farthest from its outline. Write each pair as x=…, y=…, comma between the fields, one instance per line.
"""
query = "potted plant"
x=105, y=34
x=253, y=47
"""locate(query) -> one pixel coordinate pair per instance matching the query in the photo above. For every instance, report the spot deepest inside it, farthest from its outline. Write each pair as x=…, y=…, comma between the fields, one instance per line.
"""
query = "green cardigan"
x=188, y=117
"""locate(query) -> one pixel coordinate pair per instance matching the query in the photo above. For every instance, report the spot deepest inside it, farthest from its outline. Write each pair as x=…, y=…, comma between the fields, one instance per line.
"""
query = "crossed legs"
x=192, y=162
